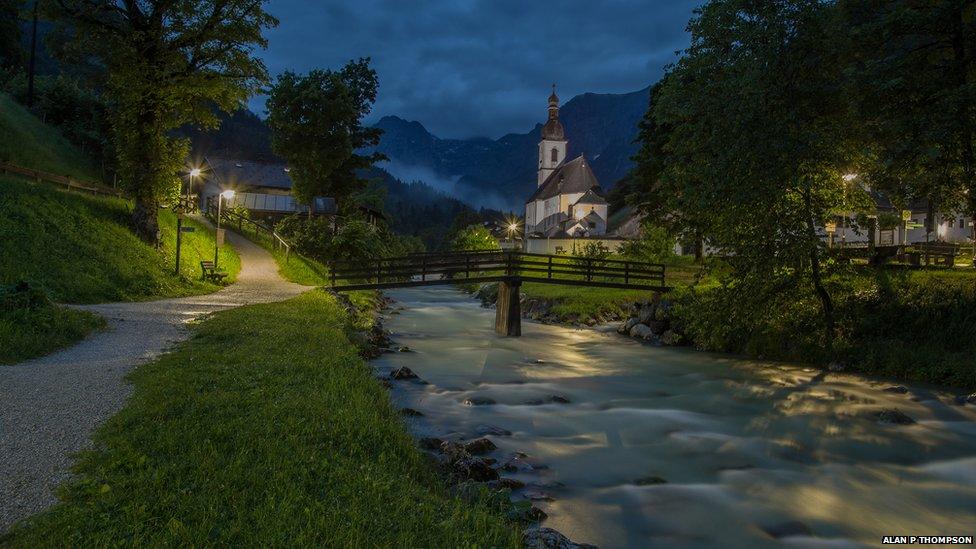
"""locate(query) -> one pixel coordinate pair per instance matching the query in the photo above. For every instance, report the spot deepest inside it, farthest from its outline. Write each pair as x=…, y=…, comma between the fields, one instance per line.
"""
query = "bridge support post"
x=508, y=309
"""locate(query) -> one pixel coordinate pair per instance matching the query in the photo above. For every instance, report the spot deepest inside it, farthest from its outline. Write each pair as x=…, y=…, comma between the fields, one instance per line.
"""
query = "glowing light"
x=850, y=177
x=228, y=194
x=195, y=172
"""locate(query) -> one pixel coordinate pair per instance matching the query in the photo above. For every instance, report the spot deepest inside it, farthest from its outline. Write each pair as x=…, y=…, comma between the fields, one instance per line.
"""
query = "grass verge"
x=30, y=333
x=266, y=428
x=79, y=249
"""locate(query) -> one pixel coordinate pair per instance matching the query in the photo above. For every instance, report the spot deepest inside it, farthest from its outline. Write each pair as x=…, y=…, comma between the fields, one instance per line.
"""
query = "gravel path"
x=50, y=406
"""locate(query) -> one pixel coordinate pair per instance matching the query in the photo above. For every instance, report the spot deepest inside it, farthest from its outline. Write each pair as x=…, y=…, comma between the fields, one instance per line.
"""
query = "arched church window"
x=555, y=155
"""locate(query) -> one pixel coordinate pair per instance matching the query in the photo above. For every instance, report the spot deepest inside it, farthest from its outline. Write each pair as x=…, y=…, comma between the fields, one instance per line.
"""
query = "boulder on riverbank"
x=651, y=321
x=547, y=538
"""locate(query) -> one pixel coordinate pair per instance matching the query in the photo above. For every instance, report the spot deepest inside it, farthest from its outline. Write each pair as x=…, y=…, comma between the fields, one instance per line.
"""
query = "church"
x=568, y=201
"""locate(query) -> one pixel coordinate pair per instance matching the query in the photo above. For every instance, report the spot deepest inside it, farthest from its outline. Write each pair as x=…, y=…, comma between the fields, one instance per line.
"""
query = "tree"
x=12, y=52
x=662, y=204
x=168, y=64
x=316, y=126
x=914, y=67
x=757, y=139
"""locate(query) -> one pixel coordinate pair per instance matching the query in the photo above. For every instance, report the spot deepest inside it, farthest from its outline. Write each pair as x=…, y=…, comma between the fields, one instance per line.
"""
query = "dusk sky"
x=481, y=67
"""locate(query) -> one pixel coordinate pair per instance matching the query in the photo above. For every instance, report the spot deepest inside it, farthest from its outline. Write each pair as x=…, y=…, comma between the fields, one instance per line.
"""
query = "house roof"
x=591, y=197
x=574, y=176
x=242, y=173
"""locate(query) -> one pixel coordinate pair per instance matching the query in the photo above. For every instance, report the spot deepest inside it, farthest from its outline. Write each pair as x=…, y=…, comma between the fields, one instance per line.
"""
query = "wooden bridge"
x=509, y=268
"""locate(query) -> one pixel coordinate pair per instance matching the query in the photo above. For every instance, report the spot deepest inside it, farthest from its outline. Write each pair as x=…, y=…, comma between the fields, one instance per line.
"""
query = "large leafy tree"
x=756, y=140
x=660, y=203
x=168, y=64
x=12, y=53
x=316, y=125
x=914, y=71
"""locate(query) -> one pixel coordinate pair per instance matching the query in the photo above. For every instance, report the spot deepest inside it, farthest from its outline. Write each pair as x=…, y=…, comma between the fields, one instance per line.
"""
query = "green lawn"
x=265, y=429
x=29, y=333
x=79, y=248
x=575, y=302
x=28, y=142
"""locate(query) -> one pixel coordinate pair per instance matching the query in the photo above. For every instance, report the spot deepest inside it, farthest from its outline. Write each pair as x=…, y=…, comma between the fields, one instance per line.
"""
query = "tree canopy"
x=316, y=126
x=168, y=64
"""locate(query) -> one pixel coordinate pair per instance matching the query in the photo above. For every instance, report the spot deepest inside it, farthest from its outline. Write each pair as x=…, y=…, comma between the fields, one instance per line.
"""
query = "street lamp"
x=183, y=205
x=848, y=178
x=228, y=194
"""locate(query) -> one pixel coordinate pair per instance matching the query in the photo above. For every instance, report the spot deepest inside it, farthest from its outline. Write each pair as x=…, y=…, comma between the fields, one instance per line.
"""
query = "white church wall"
x=553, y=246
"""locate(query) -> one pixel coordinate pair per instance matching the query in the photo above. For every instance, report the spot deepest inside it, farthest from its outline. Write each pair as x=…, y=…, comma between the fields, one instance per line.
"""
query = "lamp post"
x=228, y=194
x=843, y=234
x=184, y=204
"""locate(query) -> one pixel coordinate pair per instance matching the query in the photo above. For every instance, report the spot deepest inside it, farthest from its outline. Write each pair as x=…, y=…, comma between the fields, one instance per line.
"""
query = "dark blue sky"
x=481, y=67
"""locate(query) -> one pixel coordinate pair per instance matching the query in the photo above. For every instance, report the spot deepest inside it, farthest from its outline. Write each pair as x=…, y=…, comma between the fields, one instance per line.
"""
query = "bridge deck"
x=494, y=266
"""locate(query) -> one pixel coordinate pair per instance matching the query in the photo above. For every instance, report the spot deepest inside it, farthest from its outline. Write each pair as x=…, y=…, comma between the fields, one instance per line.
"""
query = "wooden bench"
x=942, y=253
x=210, y=272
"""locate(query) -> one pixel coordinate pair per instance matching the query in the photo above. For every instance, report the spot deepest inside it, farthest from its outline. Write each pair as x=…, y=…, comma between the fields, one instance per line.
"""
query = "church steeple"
x=552, y=146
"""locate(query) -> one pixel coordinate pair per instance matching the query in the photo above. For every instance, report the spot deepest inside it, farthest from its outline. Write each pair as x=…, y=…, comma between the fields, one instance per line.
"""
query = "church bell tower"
x=552, y=146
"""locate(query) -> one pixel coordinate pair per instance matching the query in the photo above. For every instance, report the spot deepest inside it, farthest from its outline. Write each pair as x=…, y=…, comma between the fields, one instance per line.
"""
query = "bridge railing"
x=496, y=265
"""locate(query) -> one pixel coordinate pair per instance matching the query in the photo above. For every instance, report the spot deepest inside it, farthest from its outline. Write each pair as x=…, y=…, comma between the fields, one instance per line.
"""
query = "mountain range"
x=495, y=173
x=501, y=173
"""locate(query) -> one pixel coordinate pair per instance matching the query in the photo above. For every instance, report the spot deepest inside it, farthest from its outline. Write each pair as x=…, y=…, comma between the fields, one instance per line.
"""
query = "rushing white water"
x=745, y=447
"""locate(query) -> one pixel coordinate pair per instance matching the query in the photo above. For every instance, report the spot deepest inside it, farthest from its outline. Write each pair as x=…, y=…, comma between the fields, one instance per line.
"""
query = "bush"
x=654, y=245
x=474, y=237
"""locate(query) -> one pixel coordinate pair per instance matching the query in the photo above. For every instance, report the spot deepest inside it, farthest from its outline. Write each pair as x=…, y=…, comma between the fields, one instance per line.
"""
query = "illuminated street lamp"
x=182, y=206
x=228, y=194
x=848, y=178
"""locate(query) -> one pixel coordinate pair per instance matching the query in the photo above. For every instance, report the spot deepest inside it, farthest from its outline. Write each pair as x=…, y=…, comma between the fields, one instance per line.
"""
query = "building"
x=262, y=188
x=568, y=202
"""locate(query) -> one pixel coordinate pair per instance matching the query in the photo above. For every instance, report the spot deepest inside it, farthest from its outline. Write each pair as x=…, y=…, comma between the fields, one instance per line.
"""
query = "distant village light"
x=850, y=177
x=195, y=172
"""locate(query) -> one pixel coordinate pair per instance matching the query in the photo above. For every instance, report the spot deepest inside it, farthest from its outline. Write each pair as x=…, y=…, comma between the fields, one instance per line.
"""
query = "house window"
x=555, y=155
x=592, y=224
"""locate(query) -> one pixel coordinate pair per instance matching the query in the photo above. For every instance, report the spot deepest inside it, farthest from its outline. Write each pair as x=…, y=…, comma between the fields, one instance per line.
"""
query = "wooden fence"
x=67, y=181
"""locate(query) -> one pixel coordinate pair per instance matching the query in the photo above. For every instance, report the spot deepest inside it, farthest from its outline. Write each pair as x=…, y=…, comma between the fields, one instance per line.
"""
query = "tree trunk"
x=145, y=220
x=699, y=249
x=826, y=303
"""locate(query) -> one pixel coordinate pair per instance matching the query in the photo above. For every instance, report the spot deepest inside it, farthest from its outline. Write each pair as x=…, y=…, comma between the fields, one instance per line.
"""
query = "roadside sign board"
x=831, y=226
x=220, y=238
x=906, y=215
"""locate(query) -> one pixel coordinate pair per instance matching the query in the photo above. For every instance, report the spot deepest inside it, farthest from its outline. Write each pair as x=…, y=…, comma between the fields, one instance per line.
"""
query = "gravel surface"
x=50, y=406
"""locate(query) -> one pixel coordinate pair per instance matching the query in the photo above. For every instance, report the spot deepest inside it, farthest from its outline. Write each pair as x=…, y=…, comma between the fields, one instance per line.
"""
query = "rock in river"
x=485, y=429
x=410, y=412
x=480, y=446
x=473, y=468
x=479, y=401
x=787, y=529
x=895, y=416
x=649, y=481
x=547, y=538
x=402, y=373
x=900, y=389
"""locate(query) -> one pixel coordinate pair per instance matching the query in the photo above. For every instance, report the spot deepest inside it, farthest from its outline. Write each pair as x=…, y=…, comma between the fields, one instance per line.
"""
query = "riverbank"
x=917, y=325
x=265, y=426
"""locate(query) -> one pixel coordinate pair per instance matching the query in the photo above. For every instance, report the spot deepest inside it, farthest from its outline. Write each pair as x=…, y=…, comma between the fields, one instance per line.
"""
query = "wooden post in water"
x=508, y=309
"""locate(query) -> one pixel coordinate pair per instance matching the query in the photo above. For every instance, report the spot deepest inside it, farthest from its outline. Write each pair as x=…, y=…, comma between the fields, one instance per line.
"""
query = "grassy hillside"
x=26, y=141
x=79, y=249
x=265, y=429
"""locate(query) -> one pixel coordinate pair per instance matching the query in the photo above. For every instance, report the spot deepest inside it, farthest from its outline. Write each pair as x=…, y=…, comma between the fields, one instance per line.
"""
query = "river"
x=751, y=453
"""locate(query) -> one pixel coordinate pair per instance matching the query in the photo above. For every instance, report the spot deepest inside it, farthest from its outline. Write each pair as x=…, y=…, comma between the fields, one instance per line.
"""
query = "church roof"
x=591, y=197
x=574, y=176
